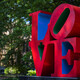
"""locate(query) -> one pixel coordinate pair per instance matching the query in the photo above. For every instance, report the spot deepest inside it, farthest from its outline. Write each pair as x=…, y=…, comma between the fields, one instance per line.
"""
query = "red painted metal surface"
x=35, y=43
x=72, y=57
x=51, y=63
x=71, y=28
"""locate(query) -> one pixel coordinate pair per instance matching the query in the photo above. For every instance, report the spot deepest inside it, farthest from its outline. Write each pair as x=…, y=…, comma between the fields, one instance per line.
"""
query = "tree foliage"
x=13, y=17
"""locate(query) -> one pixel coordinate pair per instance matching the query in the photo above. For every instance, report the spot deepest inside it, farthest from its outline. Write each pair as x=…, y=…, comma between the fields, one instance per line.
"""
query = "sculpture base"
x=45, y=78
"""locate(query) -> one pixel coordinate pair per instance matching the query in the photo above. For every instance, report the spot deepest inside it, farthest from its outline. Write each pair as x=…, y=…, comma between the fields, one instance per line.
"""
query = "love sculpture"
x=56, y=41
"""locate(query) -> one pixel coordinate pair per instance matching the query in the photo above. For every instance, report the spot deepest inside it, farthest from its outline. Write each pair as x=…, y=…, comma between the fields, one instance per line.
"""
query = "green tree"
x=13, y=21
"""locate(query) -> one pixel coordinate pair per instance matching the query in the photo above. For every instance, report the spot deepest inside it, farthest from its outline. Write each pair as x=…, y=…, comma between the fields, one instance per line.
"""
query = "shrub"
x=11, y=70
x=31, y=73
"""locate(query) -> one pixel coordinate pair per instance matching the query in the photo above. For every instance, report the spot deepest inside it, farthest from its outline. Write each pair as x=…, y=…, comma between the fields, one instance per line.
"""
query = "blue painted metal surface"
x=65, y=67
x=43, y=20
x=65, y=46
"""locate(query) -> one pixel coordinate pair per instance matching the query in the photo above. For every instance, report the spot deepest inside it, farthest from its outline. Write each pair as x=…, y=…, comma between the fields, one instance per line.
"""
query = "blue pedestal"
x=45, y=78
